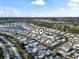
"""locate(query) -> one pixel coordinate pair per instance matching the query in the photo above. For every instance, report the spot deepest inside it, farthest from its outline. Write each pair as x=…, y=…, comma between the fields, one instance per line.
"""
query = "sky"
x=39, y=8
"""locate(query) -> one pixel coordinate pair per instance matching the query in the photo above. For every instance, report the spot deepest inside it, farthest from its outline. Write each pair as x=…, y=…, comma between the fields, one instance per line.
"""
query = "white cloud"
x=62, y=12
x=15, y=11
x=74, y=8
x=65, y=13
x=72, y=4
x=62, y=8
x=45, y=7
x=18, y=13
x=1, y=12
x=75, y=1
x=38, y=2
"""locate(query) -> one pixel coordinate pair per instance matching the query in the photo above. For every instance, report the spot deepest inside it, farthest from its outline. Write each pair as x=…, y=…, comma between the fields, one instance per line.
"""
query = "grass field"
x=67, y=26
x=1, y=54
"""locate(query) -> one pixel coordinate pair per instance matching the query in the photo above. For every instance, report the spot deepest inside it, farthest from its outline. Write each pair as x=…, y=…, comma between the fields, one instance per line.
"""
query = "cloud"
x=18, y=13
x=38, y=2
x=73, y=4
x=45, y=7
x=74, y=8
x=1, y=12
x=62, y=8
x=62, y=12
x=75, y=1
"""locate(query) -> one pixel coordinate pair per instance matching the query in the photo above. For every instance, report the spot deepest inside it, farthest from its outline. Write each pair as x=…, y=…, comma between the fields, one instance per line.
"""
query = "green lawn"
x=1, y=54
x=59, y=26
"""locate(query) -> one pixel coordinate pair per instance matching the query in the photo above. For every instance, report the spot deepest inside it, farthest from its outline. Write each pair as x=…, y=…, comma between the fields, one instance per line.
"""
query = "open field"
x=71, y=26
x=1, y=53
